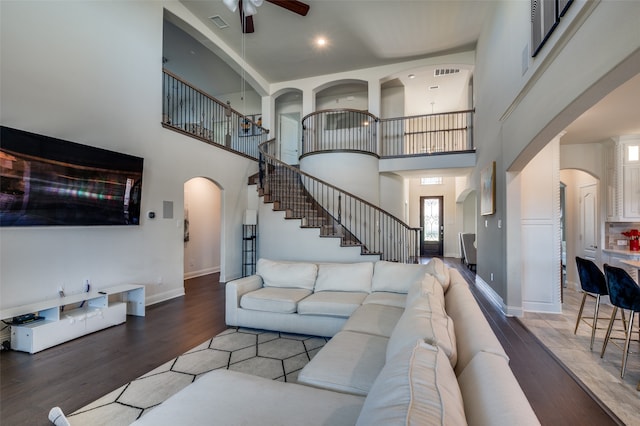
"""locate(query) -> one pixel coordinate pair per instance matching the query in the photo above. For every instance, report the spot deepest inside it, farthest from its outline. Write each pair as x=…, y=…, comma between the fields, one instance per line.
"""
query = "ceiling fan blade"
x=247, y=25
x=245, y=21
x=292, y=5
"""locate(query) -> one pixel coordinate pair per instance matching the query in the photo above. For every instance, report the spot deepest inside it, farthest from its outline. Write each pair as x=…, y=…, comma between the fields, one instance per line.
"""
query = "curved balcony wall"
x=355, y=172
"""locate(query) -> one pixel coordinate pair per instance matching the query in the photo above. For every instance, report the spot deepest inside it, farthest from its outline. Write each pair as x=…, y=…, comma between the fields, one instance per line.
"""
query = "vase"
x=634, y=245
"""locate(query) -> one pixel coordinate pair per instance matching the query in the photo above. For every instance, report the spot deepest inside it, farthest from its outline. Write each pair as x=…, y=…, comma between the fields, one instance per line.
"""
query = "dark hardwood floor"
x=78, y=372
x=556, y=395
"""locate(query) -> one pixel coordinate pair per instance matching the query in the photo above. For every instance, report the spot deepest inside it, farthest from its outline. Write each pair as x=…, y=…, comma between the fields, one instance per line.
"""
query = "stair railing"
x=322, y=204
x=189, y=110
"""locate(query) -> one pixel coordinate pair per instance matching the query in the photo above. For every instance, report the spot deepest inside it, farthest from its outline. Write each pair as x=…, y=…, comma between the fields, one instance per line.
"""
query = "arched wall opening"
x=202, y=227
x=351, y=94
x=288, y=124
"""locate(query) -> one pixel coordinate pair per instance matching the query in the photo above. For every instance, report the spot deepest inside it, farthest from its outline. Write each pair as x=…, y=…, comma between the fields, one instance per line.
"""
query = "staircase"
x=336, y=213
x=286, y=192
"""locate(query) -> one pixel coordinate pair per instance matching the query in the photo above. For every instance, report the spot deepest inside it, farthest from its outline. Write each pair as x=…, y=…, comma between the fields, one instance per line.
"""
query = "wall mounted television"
x=46, y=181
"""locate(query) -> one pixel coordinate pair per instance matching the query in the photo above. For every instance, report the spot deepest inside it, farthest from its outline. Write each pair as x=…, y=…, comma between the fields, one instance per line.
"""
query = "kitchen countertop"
x=622, y=253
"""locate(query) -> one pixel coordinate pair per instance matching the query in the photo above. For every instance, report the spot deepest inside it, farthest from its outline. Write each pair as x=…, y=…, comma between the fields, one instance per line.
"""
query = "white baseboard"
x=201, y=272
x=161, y=297
x=498, y=302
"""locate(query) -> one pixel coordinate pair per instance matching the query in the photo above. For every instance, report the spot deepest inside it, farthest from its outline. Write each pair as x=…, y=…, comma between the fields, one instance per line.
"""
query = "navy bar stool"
x=593, y=284
x=624, y=293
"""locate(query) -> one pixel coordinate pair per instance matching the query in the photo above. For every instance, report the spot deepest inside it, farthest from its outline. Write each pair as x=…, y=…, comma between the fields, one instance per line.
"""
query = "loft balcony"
x=432, y=141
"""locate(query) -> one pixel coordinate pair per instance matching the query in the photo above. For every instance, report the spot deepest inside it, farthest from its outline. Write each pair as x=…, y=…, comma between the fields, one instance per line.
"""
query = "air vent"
x=220, y=23
x=439, y=72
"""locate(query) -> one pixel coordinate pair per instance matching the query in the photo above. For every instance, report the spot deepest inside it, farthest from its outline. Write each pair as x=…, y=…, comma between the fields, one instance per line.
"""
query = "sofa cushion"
x=419, y=322
x=438, y=269
x=492, y=395
x=415, y=387
x=374, y=319
x=287, y=274
x=227, y=398
x=274, y=299
x=349, y=363
x=395, y=277
x=431, y=287
x=344, y=277
x=471, y=327
x=385, y=298
x=336, y=303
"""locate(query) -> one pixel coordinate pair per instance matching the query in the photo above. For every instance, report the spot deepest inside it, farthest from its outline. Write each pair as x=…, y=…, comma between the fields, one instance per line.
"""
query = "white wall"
x=520, y=109
x=392, y=197
x=67, y=74
x=301, y=243
x=202, y=208
x=392, y=102
x=540, y=224
x=354, y=100
x=352, y=172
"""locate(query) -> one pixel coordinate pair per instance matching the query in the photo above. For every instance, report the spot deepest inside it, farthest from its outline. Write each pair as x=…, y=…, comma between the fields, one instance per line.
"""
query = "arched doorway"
x=202, y=227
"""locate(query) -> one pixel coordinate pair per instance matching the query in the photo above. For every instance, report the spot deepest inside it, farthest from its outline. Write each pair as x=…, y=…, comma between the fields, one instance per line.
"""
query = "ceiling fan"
x=248, y=8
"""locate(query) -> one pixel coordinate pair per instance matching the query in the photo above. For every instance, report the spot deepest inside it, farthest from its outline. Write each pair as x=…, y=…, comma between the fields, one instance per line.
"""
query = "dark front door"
x=432, y=230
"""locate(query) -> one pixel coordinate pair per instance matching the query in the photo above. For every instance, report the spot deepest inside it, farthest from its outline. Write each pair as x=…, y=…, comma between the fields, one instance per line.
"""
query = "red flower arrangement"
x=634, y=236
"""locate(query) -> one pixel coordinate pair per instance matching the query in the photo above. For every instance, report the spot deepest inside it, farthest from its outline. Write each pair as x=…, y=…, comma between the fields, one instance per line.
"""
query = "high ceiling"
x=359, y=33
x=367, y=33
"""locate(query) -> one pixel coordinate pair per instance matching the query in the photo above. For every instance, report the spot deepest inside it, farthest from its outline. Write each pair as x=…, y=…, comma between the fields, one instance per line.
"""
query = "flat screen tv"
x=46, y=181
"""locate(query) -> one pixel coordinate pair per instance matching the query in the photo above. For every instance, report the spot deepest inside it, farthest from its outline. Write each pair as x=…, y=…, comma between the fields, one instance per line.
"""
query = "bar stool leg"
x=606, y=337
x=625, y=353
x=595, y=321
x=584, y=297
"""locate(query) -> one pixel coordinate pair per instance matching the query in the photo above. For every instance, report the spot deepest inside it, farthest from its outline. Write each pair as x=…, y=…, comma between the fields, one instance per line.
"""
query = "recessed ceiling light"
x=412, y=76
x=321, y=42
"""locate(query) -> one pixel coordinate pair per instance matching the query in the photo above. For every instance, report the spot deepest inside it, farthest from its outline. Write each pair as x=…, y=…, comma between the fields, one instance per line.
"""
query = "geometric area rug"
x=269, y=354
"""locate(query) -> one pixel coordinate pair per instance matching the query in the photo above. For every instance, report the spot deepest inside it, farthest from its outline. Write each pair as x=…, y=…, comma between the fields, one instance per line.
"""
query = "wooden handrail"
x=387, y=236
x=189, y=110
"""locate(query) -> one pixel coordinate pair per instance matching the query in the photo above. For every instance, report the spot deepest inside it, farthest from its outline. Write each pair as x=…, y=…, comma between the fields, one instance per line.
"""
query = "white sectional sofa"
x=409, y=345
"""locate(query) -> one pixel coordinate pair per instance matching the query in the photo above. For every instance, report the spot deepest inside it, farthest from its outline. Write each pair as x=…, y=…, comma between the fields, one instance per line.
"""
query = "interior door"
x=289, y=138
x=589, y=221
x=431, y=226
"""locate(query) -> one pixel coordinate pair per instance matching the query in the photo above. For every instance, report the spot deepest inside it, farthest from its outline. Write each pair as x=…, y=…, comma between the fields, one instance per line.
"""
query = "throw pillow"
x=428, y=285
x=395, y=277
x=419, y=322
x=415, y=387
x=438, y=269
x=287, y=274
x=344, y=277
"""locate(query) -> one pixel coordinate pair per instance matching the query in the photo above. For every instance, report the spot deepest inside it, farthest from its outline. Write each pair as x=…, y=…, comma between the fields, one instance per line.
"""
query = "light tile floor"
x=277, y=356
x=601, y=376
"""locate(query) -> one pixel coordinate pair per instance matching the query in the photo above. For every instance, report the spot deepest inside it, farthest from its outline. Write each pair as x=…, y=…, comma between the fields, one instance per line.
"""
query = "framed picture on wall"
x=245, y=126
x=488, y=190
x=257, y=119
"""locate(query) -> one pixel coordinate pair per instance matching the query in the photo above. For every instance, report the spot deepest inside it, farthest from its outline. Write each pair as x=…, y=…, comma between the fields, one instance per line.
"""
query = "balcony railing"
x=336, y=212
x=339, y=130
x=189, y=110
x=427, y=134
x=354, y=130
